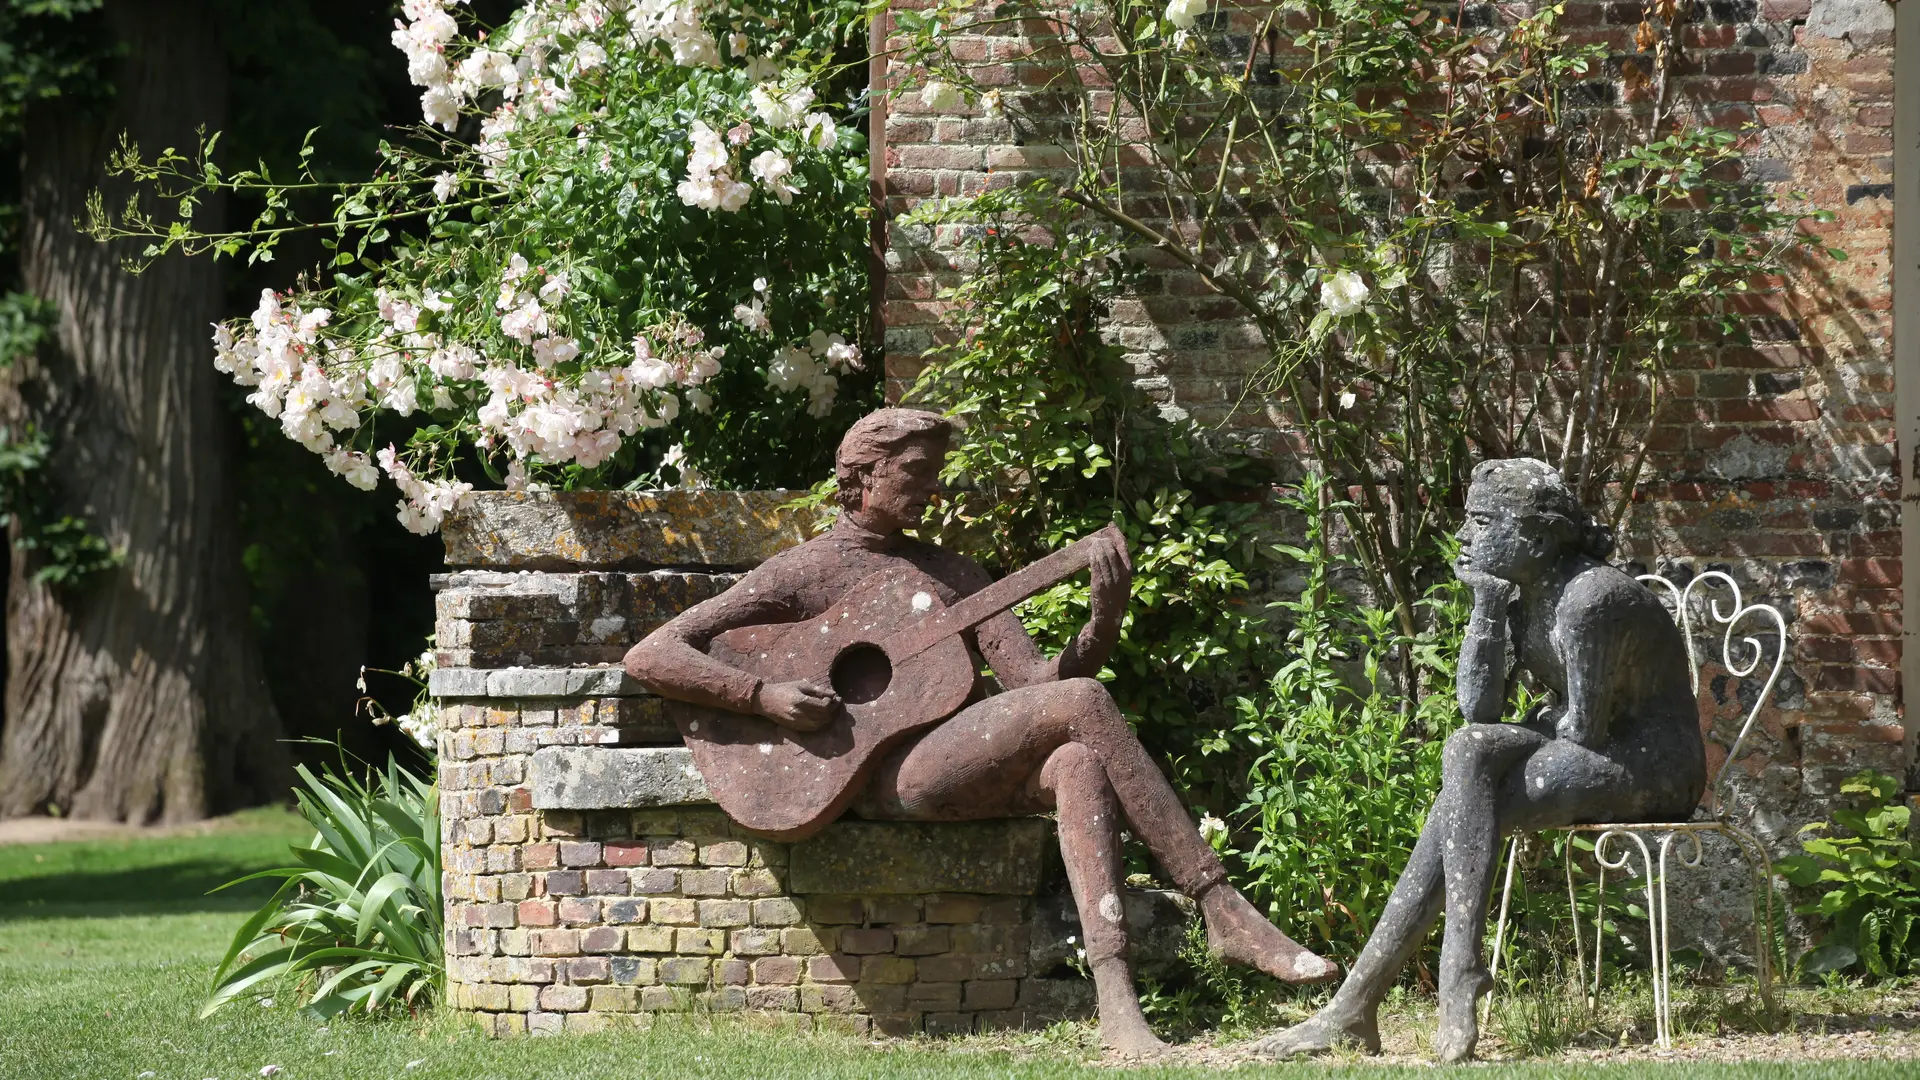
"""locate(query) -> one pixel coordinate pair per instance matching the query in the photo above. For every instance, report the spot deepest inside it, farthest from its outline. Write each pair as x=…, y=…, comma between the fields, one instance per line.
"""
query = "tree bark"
x=138, y=694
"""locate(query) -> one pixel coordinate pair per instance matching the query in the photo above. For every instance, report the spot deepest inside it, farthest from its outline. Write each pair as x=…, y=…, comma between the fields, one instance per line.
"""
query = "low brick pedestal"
x=589, y=881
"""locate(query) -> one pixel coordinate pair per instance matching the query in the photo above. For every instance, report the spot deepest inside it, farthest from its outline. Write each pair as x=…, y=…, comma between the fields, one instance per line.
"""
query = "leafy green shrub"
x=359, y=917
x=616, y=230
x=1870, y=878
x=1344, y=765
x=1059, y=442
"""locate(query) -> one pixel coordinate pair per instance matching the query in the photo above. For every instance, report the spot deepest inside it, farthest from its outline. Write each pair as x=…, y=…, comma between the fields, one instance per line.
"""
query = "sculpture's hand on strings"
x=1111, y=588
x=803, y=706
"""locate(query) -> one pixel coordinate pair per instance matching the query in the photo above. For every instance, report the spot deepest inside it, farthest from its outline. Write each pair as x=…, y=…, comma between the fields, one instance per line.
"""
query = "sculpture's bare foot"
x=1130, y=1040
x=1325, y=1031
x=1123, y=1027
x=1459, y=1028
x=1238, y=934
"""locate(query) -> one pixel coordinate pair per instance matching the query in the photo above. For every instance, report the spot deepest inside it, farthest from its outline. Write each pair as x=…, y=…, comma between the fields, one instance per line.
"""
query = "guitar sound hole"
x=861, y=673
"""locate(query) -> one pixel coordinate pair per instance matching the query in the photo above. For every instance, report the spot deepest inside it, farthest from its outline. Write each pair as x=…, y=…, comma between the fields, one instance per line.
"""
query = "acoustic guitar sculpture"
x=892, y=653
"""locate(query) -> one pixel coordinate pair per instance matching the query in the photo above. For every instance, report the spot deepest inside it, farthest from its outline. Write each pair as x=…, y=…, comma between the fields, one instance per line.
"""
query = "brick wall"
x=1777, y=460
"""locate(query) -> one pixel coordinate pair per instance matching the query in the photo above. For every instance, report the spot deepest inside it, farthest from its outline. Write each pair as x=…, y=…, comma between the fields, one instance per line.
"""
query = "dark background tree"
x=251, y=586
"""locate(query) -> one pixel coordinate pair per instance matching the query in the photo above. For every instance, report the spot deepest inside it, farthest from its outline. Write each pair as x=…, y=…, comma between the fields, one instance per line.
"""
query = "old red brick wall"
x=1777, y=461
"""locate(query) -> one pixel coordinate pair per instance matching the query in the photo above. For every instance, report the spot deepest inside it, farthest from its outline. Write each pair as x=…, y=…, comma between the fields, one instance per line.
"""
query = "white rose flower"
x=445, y=186
x=820, y=131
x=441, y=106
x=941, y=96
x=772, y=169
x=1183, y=13
x=1211, y=827
x=1343, y=293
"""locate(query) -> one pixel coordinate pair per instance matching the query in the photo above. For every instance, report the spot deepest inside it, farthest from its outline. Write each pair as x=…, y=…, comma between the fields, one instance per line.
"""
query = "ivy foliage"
x=48, y=49
x=63, y=550
x=1058, y=442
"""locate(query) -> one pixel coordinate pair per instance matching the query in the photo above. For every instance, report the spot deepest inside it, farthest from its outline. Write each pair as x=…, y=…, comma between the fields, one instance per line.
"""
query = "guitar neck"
x=1003, y=594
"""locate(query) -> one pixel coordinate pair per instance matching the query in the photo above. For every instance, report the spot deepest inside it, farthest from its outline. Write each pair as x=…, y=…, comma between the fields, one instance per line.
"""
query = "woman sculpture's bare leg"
x=1454, y=858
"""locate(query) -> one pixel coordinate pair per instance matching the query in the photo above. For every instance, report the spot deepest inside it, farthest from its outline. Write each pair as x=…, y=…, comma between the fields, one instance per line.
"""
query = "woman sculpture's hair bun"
x=1536, y=488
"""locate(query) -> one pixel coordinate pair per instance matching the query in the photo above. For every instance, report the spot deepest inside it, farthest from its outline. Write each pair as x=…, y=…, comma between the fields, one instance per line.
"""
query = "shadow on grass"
x=167, y=888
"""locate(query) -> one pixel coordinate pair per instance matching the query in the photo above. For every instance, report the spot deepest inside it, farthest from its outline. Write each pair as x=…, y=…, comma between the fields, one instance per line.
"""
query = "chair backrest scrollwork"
x=1722, y=610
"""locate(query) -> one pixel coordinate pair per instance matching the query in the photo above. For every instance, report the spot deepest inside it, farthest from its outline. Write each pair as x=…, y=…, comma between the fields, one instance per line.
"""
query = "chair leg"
x=1500, y=928
x=1760, y=867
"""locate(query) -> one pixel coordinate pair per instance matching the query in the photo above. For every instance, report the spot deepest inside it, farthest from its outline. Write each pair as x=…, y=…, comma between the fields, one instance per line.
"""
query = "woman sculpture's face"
x=1500, y=540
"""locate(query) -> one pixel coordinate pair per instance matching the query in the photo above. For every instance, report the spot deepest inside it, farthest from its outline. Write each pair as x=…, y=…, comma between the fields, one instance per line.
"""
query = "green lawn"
x=105, y=949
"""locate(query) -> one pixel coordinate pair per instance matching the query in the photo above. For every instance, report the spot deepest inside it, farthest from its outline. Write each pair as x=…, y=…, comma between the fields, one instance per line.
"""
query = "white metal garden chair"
x=1722, y=614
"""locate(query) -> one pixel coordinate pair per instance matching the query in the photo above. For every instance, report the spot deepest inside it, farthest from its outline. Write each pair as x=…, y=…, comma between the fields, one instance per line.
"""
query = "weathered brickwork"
x=491, y=619
x=563, y=920
x=1774, y=461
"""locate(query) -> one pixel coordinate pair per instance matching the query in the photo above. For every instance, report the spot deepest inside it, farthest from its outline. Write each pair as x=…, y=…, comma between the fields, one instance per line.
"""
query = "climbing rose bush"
x=616, y=219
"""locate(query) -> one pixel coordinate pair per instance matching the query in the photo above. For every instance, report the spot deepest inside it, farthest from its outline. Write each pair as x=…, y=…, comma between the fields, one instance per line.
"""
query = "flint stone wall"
x=589, y=881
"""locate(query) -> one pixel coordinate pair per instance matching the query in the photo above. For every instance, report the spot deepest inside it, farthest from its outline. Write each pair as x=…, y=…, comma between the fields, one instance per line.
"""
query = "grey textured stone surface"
x=531, y=682
x=495, y=619
x=1157, y=922
x=621, y=530
x=607, y=778
x=1003, y=857
x=457, y=683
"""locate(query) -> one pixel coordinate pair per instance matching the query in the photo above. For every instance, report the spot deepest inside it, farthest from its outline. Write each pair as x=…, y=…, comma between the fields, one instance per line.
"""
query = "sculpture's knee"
x=1074, y=771
x=1464, y=753
x=1089, y=709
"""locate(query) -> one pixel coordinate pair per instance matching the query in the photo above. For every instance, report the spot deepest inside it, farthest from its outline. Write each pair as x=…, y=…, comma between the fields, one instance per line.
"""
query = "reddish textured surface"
x=1777, y=462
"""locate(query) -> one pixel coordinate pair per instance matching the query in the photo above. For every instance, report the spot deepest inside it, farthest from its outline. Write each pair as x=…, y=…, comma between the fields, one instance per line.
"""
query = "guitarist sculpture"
x=840, y=674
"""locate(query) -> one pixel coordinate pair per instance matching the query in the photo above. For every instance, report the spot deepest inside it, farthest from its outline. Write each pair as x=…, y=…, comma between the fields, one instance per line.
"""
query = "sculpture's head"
x=888, y=467
x=1522, y=519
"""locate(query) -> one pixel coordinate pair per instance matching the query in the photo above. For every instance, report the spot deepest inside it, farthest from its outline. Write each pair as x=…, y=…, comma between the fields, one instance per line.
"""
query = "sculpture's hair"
x=875, y=436
x=1536, y=488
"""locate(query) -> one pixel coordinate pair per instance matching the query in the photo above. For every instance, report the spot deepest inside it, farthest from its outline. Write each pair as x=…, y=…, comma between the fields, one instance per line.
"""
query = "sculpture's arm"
x=1018, y=661
x=1482, y=688
x=673, y=662
x=1589, y=636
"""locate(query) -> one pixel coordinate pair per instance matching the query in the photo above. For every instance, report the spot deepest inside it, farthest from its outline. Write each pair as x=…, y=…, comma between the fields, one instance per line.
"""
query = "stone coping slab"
x=614, y=778
x=533, y=682
x=1000, y=857
x=621, y=530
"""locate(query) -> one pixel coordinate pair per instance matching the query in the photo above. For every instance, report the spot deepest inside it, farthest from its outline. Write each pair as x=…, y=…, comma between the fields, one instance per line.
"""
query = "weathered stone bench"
x=589, y=879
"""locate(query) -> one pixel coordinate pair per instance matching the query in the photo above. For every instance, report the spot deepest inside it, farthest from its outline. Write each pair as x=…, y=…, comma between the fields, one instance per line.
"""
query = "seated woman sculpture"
x=1617, y=738
x=1054, y=740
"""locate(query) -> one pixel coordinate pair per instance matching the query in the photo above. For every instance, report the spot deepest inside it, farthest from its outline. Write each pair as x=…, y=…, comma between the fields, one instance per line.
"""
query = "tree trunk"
x=138, y=694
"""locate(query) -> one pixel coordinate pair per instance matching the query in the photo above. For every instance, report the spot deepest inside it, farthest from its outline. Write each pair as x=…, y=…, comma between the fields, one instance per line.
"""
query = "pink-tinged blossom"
x=753, y=317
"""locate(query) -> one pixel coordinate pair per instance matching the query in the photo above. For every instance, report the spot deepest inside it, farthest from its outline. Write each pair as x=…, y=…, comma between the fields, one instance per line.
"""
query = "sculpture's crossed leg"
x=1065, y=746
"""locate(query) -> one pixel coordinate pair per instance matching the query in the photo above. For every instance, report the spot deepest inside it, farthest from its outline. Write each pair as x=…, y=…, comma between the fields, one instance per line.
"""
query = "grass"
x=106, y=948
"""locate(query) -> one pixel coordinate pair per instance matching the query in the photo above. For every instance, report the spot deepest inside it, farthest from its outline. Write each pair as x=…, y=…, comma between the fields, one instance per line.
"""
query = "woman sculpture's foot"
x=1123, y=1027
x=1238, y=934
x=1460, y=1014
x=1326, y=1030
